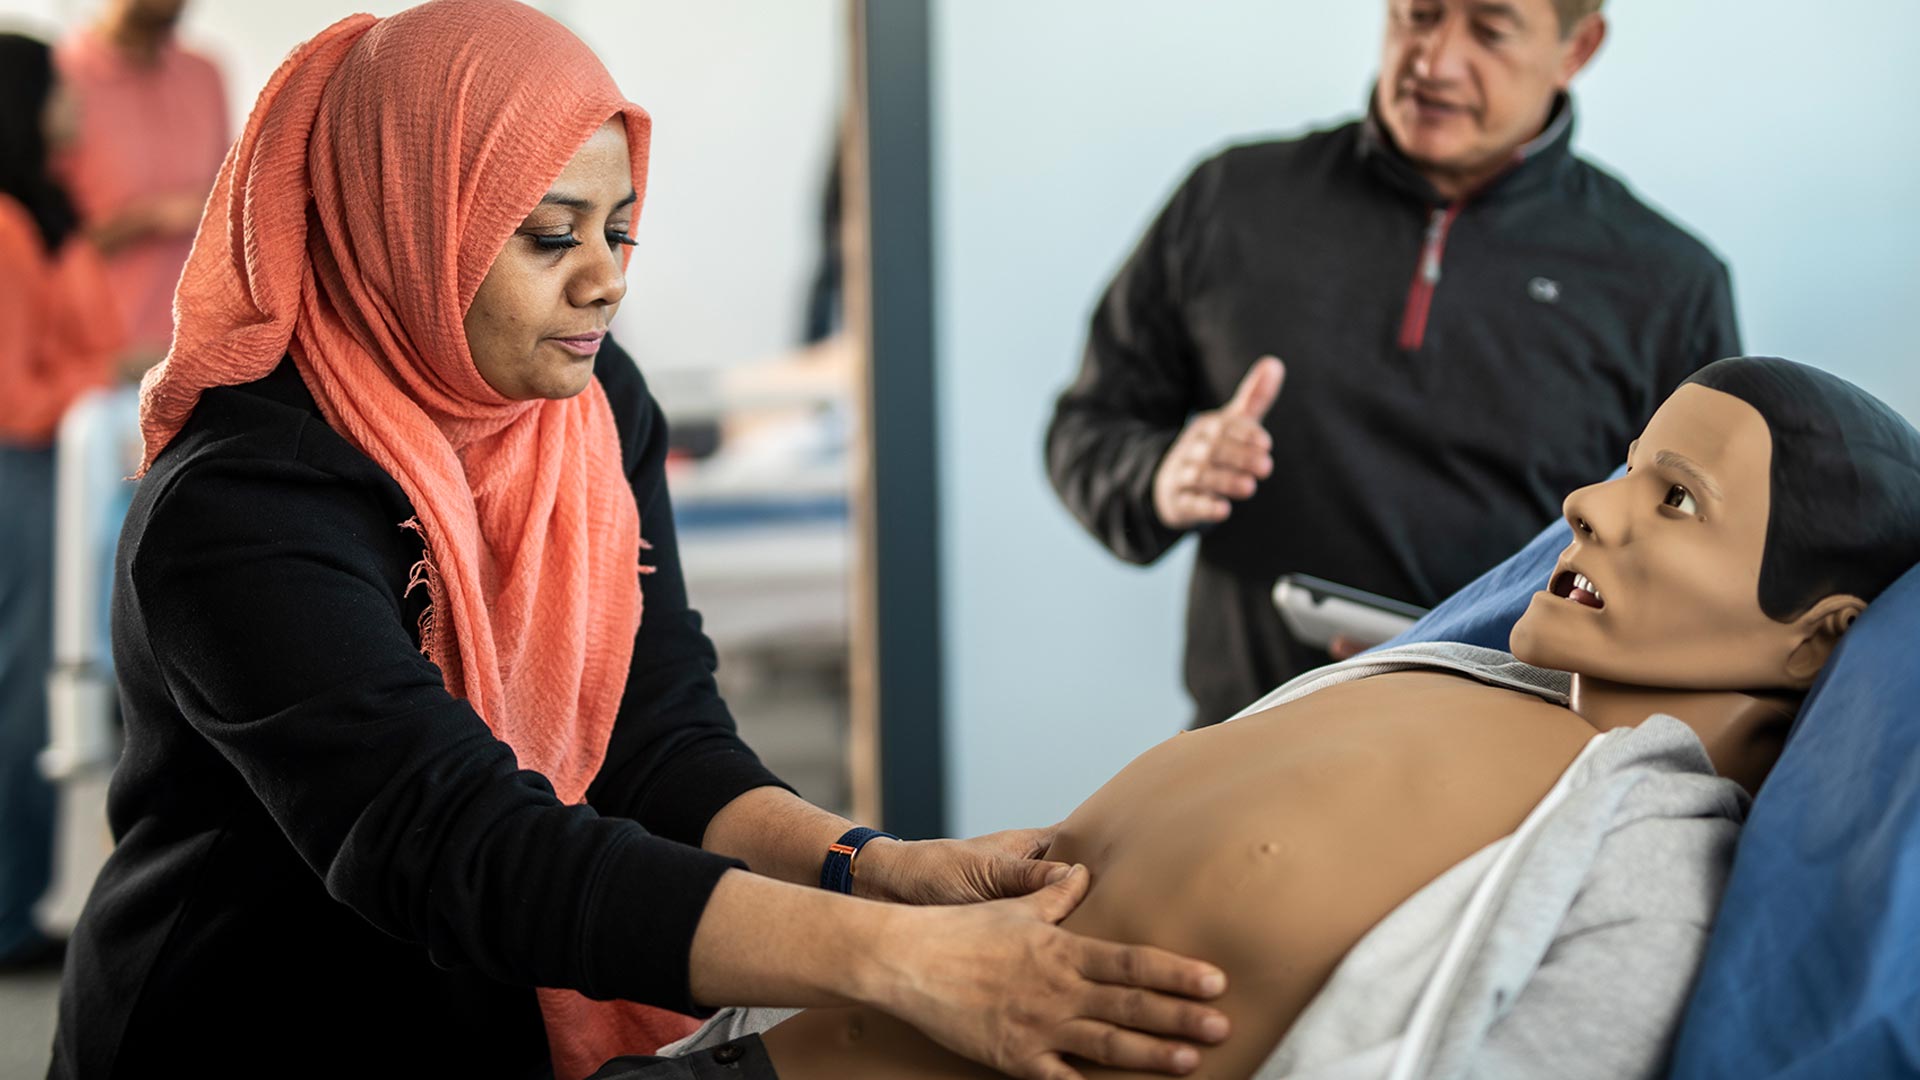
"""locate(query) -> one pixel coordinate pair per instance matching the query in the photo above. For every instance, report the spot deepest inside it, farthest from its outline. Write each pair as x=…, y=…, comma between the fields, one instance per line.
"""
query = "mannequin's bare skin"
x=1271, y=845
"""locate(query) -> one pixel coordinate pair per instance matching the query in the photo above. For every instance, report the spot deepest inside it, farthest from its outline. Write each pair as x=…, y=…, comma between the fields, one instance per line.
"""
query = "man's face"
x=1464, y=83
x=1661, y=585
x=154, y=15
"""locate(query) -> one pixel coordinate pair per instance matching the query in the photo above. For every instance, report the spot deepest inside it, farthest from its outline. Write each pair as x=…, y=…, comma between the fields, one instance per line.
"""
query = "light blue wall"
x=1795, y=150
x=1780, y=131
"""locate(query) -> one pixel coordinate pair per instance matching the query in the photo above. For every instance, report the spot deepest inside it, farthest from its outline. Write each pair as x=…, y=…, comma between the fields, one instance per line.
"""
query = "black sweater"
x=1411, y=450
x=325, y=862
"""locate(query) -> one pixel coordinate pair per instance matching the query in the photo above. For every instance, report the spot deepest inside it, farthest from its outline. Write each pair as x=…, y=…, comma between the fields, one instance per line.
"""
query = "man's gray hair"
x=1572, y=11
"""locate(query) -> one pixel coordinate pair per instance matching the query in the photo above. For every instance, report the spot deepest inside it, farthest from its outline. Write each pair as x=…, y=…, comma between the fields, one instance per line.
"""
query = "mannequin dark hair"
x=26, y=81
x=1845, y=482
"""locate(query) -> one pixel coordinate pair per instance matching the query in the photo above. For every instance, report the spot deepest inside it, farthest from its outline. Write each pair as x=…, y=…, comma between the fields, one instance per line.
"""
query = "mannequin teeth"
x=1577, y=587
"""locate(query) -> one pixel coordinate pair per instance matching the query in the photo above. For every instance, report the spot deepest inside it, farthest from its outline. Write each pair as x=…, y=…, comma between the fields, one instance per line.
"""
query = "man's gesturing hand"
x=1000, y=983
x=1220, y=455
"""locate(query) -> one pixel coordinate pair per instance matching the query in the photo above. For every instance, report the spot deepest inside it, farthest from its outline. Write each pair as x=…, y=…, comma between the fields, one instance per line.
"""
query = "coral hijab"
x=383, y=168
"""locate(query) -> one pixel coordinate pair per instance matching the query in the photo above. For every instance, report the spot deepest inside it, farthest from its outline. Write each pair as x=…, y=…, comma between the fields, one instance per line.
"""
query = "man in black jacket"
x=1473, y=319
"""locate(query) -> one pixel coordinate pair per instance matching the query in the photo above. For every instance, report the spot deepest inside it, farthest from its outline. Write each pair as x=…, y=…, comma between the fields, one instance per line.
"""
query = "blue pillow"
x=1814, y=965
x=1484, y=612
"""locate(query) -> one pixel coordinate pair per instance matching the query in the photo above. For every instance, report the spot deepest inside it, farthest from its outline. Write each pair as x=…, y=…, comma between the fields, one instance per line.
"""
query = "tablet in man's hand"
x=1316, y=611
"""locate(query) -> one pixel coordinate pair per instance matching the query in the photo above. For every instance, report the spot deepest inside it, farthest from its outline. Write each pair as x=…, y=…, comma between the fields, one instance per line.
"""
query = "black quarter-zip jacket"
x=1453, y=371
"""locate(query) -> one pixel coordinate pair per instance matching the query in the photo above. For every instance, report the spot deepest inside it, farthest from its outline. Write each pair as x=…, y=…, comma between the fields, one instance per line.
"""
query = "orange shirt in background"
x=60, y=330
x=145, y=130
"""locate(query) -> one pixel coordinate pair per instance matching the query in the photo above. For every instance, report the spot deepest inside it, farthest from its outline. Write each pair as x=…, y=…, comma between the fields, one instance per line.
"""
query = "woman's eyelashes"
x=559, y=242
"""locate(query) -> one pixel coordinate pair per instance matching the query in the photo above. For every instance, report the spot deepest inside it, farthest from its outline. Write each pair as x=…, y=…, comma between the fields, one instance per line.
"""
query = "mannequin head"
x=1764, y=506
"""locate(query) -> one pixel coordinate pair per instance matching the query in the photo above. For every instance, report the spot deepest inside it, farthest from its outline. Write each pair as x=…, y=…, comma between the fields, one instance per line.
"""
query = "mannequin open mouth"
x=1577, y=587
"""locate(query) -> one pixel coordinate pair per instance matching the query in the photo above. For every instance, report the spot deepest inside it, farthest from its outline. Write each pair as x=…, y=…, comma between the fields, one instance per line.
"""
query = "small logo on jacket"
x=1544, y=289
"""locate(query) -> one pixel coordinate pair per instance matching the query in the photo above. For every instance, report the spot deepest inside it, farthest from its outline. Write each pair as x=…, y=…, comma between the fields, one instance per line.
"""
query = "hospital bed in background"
x=763, y=515
x=1813, y=969
x=767, y=565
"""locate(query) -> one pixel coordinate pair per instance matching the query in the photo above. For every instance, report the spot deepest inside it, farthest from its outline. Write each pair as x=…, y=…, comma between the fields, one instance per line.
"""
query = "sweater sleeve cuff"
x=638, y=940
x=696, y=787
x=1146, y=538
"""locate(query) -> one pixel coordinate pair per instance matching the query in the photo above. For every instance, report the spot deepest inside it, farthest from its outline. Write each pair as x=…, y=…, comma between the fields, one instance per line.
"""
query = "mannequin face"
x=1673, y=551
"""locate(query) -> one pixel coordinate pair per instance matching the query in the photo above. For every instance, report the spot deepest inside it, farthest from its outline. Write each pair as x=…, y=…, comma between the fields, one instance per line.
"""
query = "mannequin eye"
x=1681, y=499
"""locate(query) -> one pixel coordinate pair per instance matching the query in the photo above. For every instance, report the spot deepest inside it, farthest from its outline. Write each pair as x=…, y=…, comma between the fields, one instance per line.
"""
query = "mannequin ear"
x=1819, y=633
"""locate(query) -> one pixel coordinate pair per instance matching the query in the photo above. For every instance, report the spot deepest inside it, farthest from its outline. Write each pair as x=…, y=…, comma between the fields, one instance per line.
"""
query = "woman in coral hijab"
x=410, y=783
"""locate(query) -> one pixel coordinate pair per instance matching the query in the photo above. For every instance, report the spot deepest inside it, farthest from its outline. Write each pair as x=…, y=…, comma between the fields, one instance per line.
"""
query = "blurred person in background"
x=59, y=337
x=1430, y=274
x=150, y=141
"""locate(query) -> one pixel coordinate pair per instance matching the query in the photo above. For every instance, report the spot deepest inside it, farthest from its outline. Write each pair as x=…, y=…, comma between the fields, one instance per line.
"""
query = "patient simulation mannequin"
x=1698, y=585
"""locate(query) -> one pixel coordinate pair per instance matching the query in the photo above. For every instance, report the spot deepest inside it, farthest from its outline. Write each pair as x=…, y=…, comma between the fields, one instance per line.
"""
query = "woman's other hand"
x=1002, y=984
x=991, y=867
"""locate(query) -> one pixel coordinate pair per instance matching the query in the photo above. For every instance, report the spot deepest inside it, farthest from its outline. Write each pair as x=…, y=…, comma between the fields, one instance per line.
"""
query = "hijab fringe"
x=424, y=573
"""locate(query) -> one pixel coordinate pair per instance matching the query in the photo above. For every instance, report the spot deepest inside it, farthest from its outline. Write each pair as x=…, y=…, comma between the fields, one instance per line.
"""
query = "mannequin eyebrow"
x=1684, y=465
x=575, y=202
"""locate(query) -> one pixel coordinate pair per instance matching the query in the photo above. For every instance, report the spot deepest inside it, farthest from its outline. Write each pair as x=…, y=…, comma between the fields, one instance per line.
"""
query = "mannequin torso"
x=1268, y=846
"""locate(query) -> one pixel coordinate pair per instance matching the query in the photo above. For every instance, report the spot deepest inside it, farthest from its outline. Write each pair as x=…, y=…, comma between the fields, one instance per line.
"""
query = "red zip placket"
x=1426, y=275
x=1413, y=323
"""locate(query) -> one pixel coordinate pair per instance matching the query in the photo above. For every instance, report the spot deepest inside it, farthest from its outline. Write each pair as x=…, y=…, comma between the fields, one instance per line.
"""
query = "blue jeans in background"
x=26, y=653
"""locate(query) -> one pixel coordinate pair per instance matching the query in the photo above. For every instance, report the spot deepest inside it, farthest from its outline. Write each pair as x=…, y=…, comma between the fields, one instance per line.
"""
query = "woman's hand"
x=990, y=867
x=1001, y=984
x=997, y=982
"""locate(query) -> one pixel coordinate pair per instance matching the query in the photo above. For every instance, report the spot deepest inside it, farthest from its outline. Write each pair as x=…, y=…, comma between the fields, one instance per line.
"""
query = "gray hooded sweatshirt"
x=1566, y=949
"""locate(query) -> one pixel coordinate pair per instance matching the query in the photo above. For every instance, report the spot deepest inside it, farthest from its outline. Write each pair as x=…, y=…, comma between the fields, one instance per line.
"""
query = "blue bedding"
x=1814, y=965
